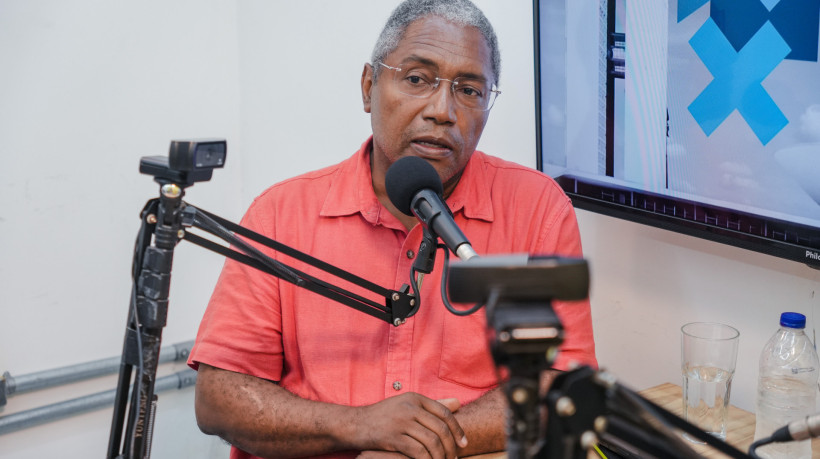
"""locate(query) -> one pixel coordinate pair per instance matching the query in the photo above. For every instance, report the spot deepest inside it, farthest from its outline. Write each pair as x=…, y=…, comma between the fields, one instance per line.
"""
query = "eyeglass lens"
x=468, y=92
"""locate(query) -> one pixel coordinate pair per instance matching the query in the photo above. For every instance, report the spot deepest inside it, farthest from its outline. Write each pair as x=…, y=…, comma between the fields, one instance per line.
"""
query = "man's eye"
x=417, y=78
x=470, y=92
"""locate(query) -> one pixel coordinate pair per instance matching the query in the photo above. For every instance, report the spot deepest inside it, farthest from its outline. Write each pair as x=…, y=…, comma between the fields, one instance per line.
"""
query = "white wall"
x=88, y=87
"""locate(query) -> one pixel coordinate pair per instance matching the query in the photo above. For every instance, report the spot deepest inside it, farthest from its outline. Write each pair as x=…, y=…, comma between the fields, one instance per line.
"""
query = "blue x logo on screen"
x=738, y=78
x=741, y=43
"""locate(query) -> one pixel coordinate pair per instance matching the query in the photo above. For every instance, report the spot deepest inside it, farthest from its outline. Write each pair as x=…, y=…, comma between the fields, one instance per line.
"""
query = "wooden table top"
x=740, y=429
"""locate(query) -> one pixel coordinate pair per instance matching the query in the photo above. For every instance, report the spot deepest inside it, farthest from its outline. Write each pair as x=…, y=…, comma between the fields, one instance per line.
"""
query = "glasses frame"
x=494, y=92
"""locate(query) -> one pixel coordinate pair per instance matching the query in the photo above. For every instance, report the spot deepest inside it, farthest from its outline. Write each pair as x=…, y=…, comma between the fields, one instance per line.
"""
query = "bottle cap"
x=792, y=320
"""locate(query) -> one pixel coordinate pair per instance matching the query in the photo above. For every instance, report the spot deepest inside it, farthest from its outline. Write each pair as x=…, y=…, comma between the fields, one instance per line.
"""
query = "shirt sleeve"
x=241, y=328
x=562, y=237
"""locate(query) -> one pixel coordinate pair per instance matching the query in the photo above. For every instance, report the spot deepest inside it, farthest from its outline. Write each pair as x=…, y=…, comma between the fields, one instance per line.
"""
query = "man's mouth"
x=432, y=145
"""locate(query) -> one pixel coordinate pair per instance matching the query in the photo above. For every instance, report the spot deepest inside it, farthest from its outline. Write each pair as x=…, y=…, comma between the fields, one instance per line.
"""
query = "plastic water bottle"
x=786, y=386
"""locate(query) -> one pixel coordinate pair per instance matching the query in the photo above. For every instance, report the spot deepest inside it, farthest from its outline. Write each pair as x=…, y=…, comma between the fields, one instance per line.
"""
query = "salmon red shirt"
x=321, y=350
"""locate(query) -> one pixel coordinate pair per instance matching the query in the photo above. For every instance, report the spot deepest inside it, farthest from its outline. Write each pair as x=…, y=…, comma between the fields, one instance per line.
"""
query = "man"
x=286, y=373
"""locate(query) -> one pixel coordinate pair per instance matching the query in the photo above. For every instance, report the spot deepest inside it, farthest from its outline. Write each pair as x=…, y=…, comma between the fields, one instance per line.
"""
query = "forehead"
x=454, y=49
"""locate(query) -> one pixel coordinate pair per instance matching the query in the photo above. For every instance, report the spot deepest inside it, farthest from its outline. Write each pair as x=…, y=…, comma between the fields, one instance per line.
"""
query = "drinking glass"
x=708, y=357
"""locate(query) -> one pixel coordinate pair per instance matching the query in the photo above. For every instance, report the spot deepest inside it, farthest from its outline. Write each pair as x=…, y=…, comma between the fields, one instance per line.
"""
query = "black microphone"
x=414, y=187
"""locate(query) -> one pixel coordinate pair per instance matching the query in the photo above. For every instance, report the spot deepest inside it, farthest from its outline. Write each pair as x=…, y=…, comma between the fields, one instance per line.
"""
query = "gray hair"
x=462, y=12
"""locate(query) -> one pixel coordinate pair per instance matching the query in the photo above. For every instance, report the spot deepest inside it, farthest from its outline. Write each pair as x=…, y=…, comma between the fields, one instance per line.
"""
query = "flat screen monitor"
x=697, y=116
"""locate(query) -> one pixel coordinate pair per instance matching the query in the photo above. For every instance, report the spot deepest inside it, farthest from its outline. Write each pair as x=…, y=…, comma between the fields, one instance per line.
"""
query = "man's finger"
x=443, y=412
x=452, y=404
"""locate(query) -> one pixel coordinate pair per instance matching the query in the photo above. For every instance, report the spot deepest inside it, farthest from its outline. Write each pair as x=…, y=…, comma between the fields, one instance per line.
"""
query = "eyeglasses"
x=421, y=82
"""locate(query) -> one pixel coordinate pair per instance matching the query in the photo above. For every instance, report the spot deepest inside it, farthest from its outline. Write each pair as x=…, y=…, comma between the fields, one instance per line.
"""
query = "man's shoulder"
x=304, y=184
x=506, y=168
x=501, y=172
x=313, y=178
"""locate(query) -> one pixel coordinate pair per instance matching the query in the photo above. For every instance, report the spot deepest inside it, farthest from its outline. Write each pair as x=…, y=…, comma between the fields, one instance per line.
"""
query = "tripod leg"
x=147, y=318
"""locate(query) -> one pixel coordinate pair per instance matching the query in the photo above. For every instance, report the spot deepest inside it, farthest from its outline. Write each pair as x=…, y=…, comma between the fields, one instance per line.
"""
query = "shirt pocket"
x=465, y=352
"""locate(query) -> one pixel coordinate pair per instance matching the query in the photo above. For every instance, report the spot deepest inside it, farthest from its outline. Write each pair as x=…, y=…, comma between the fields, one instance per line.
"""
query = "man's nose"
x=441, y=104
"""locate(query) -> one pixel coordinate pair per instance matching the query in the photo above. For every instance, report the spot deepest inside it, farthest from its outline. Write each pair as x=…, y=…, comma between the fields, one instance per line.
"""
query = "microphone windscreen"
x=408, y=176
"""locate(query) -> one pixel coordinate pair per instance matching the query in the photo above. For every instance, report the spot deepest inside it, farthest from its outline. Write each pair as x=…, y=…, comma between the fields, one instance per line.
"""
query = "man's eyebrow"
x=432, y=64
x=419, y=60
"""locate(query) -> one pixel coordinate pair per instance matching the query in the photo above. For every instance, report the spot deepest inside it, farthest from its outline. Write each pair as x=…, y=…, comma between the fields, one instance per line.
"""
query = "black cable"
x=780, y=435
x=414, y=285
x=445, y=296
x=135, y=273
x=753, y=447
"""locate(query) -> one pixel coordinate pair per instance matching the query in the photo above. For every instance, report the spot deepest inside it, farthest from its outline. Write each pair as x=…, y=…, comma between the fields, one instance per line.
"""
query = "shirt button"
x=397, y=385
x=410, y=254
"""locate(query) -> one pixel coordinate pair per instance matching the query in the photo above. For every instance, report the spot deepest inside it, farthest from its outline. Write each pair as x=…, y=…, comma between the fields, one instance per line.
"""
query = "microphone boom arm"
x=397, y=303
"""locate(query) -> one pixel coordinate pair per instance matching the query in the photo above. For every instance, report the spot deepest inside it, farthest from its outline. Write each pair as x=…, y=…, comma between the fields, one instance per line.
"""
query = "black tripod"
x=163, y=220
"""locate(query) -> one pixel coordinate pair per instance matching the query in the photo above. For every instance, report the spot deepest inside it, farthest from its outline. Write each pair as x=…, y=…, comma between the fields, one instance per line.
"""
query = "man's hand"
x=412, y=425
x=264, y=419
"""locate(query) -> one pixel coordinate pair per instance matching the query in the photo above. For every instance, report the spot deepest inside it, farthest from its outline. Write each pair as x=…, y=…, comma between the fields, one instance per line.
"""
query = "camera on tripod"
x=188, y=161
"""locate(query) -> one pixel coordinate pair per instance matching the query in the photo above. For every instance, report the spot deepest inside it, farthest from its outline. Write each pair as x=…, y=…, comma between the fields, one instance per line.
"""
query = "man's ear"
x=367, y=86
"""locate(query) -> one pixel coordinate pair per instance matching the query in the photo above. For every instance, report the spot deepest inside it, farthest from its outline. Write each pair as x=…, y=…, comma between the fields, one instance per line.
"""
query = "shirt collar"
x=351, y=191
x=472, y=194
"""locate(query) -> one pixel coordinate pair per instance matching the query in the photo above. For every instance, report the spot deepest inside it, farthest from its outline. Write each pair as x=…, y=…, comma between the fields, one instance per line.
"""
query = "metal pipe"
x=10, y=385
x=53, y=412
